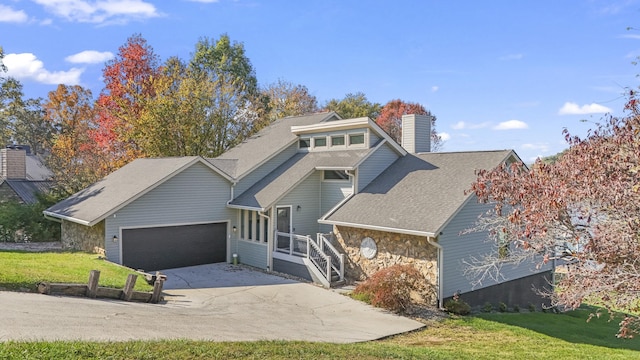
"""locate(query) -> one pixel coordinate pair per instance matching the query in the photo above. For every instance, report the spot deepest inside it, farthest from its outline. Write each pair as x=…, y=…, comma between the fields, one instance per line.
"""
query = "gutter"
x=431, y=241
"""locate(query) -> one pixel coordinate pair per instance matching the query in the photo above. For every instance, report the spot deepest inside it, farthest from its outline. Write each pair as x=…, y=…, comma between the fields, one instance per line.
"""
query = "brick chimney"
x=13, y=164
x=416, y=133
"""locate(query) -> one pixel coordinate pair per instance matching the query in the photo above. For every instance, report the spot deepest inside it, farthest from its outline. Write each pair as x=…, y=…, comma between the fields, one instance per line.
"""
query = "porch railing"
x=337, y=258
x=324, y=256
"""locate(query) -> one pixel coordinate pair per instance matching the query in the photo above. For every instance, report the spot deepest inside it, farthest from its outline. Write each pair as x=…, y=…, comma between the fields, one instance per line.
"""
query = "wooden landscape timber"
x=92, y=290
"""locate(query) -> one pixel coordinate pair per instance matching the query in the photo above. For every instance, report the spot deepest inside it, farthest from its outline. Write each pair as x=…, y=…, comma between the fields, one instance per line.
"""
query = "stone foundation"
x=83, y=238
x=393, y=248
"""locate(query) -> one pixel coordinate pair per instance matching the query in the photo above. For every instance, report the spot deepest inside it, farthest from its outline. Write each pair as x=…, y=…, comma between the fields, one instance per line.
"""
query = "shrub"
x=457, y=306
x=391, y=288
x=502, y=307
x=516, y=308
x=532, y=307
x=487, y=307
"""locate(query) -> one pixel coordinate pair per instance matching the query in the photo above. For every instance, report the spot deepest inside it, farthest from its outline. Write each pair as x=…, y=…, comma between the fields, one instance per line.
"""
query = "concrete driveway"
x=218, y=302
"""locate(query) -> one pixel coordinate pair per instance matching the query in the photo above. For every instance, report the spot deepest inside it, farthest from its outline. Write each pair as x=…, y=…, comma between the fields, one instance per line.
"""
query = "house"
x=316, y=196
x=22, y=175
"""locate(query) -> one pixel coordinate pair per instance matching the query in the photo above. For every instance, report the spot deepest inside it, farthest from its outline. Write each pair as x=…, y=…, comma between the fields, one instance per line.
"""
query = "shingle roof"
x=418, y=193
x=126, y=184
x=272, y=187
x=28, y=189
x=36, y=170
x=266, y=143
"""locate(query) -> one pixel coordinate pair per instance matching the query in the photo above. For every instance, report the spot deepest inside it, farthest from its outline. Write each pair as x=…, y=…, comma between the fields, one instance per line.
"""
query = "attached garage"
x=166, y=247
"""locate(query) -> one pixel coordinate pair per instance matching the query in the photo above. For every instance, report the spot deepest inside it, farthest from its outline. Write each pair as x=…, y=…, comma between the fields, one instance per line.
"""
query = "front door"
x=283, y=223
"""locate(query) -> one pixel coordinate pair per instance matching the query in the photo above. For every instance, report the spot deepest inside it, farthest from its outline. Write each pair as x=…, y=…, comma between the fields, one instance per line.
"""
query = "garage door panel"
x=174, y=246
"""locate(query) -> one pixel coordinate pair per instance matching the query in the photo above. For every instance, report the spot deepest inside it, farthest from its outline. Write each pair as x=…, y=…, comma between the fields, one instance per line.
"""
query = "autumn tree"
x=128, y=85
x=582, y=208
x=287, y=99
x=353, y=106
x=74, y=159
x=390, y=120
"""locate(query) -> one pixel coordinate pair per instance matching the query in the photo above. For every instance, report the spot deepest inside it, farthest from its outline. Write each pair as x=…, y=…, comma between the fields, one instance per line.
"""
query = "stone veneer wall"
x=84, y=238
x=393, y=248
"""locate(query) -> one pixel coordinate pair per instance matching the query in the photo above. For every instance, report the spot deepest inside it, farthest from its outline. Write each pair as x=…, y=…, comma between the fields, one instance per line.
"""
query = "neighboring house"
x=22, y=175
x=315, y=196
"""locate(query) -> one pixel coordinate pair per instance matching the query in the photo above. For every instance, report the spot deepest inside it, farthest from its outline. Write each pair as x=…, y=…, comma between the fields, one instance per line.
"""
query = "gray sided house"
x=327, y=199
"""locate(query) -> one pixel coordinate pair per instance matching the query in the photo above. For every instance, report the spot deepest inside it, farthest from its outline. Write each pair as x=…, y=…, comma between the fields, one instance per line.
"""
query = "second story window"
x=356, y=139
x=337, y=140
x=305, y=143
x=319, y=141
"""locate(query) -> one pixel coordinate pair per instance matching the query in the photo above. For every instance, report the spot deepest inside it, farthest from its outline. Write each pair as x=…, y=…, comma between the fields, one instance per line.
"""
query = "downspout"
x=235, y=234
x=432, y=241
x=269, y=240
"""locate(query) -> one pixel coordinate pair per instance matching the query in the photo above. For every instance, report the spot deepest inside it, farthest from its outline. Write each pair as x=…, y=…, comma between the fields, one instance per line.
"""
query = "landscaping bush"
x=25, y=222
x=502, y=307
x=457, y=306
x=487, y=307
x=391, y=288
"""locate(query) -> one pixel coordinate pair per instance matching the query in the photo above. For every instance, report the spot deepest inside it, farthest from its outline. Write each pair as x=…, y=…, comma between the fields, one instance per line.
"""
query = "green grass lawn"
x=22, y=271
x=510, y=336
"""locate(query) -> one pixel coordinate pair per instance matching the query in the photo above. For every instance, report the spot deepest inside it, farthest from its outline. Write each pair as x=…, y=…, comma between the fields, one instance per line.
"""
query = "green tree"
x=229, y=89
x=354, y=106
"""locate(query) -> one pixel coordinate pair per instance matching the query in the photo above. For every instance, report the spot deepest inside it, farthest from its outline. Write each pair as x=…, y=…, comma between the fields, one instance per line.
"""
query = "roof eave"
x=379, y=228
x=68, y=218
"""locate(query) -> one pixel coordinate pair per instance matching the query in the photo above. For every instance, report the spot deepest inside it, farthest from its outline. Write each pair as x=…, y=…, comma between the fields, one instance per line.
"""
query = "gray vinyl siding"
x=457, y=248
x=332, y=192
x=196, y=195
x=307, y=195
x=373, y=138
x=250, y=253
x=375, y=164
x=264, y=169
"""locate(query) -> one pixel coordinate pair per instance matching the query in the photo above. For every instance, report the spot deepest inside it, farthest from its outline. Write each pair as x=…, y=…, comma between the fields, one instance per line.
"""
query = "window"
x=335, y=175
x=305, y=143
x=356, y=139
x=337, y=140
x=319, y=141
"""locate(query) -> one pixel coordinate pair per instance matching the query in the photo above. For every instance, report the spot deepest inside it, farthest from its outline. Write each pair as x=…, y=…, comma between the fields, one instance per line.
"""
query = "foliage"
x=457, y=306
x=24, y=222
x=391, y=288
x=487, y=307
x=583, y=207
x=390, y=120
x=353, y=106
x=287, y=99
x=22, y=271
x=502, y=307
x=128, y=83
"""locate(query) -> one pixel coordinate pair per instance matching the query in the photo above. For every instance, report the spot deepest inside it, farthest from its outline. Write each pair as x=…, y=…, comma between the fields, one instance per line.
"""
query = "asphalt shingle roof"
x=272, y=187
x=419, y=192
x=27, y=190
x=267, y=142
x=92, y=204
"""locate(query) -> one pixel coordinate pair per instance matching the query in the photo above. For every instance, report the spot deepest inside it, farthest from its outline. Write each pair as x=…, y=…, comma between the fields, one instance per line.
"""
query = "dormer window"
x=305, y=143
x=335, y=175
x=319, y=141
x=356, y=139
x=337, y=140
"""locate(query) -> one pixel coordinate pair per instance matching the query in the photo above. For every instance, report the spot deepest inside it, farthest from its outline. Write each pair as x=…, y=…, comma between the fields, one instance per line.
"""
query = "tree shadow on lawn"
x=571, y=326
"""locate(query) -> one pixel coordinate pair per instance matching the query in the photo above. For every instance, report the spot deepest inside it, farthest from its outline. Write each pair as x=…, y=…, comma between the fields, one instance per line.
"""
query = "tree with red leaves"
x=584, y=209
x=128, y=84
x=390, y=120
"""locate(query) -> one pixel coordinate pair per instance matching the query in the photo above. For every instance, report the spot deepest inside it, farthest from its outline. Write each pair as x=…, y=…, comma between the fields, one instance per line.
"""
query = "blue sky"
x=497, y=74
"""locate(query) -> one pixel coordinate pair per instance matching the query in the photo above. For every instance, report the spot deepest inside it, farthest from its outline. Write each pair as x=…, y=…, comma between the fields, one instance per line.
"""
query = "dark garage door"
x=169, y=247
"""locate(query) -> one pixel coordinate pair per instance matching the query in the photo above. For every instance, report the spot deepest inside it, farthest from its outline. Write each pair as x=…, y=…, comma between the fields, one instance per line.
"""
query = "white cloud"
x=444, y=136
x=435, y=88
x=630, y=36
x=511, y=57
x=105, y=11
x=464, y=125
x=570, y=108
x=90, y=57
x=542, y=147
x=511, y=125
x=27, y=66
x=7, y=14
